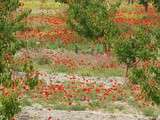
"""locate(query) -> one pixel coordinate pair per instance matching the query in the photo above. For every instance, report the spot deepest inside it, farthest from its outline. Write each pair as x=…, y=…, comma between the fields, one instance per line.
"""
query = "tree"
x=130, y=1
x=145, y=4
x=140, y=54
x=93, y=19
x=10, y=23
x=156, y=3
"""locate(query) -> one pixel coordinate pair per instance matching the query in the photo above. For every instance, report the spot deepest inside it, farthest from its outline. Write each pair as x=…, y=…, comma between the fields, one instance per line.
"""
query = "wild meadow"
x=99, y=56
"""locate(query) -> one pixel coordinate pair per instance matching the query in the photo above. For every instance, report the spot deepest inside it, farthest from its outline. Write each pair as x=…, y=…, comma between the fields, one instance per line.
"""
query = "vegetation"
x=140, y=53
x=10, y=23
x=108, y=51
x=156, y=3
x=84, y=17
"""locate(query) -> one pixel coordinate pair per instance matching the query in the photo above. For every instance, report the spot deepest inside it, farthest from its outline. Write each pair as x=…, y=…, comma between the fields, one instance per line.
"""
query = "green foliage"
x=93, y=18
x=100, y=48
x=5, y=79
x=151, y=112
x=10, y=23
x=143, y=1
x=157, y=4
x=125, y=51
x=57, y=44
x=84, y=17
x=149, y=80
x=10, y=106
x=140, y=54
x=142, y=46
x=31, y=76
x=32, y=82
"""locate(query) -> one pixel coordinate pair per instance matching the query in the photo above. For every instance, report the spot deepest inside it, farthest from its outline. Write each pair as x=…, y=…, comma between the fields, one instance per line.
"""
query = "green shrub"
x=31, y=75
x=9, y=106
x=32, y=82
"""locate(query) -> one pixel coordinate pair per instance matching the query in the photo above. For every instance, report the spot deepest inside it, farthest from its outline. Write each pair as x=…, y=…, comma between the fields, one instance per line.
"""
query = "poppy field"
x=87, y=55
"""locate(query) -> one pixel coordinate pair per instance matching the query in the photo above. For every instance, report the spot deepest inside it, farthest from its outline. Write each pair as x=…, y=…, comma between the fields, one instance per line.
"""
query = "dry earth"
x=39, y=113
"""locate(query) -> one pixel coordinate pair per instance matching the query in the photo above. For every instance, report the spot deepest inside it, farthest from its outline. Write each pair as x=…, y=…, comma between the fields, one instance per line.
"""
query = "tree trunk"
x=126, y=71
x=130, y=2
x=146, y=6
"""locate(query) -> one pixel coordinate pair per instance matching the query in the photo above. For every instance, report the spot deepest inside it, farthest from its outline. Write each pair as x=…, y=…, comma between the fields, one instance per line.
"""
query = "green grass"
x=151, y=111
x=35, y=4
x=101, y=72
x=40, y=26
x=83, y=46
x=26, y=101
x=84, y=71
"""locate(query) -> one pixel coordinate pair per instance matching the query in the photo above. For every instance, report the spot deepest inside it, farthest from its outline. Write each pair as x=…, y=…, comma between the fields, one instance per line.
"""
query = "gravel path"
x=39, y=113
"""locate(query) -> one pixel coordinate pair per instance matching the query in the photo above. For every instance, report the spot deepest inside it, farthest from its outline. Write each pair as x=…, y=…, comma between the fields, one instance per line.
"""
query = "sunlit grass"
x=35, y=4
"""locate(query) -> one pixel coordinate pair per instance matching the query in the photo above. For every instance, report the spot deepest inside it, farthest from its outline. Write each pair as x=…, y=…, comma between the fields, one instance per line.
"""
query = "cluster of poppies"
x=73, y=91
x=137, y=13
x=43, y=19
x=18, y=86
x=72, y=60
x=65, y=35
